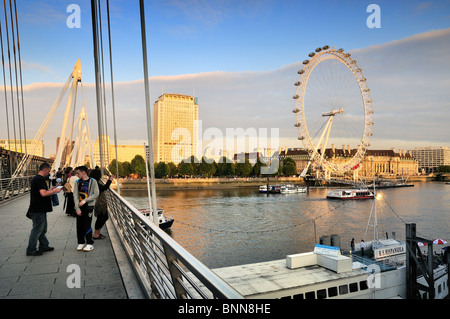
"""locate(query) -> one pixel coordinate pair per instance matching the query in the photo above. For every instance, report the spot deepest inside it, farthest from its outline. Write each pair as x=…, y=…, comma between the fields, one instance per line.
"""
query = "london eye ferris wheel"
x=333, y=107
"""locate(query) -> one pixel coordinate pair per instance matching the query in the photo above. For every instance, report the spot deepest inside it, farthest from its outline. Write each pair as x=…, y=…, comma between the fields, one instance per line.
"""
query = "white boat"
x=292, y=189
x=164, y=222
x=273, y=189
x=349, y=194
x=325, y=273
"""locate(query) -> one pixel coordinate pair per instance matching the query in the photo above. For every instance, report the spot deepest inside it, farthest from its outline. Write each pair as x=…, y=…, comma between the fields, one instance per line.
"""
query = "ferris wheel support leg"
x=327, y=129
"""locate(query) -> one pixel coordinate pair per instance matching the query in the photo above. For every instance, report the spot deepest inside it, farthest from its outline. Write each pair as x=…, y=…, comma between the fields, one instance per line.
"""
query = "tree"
x=443, y=169
x=137, y=166
x=225, y=167
x=185, y=169
x=257, y=167
x=126, y=168
x=162, y=170
x=243, y=169
x=206, y=168
x=289, y=169
x=113, y=168
x=172, y=169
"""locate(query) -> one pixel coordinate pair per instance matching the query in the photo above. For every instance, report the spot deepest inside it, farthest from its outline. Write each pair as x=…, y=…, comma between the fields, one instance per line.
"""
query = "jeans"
x=84, y=230
x=38, y=232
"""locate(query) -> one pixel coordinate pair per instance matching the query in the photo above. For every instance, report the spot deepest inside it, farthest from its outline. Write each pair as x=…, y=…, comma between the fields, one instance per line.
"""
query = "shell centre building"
x=175, y=128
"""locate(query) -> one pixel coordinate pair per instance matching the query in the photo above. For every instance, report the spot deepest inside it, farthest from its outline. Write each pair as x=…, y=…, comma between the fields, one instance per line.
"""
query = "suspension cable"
x=97, y=80
x=112, y=96
x=20, y=73
x=10, y=77
x=16, y=77
x=102, y=60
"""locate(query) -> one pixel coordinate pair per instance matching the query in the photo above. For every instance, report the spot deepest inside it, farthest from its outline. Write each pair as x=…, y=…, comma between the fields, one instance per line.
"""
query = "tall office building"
x=175, y=128
x=105, y=151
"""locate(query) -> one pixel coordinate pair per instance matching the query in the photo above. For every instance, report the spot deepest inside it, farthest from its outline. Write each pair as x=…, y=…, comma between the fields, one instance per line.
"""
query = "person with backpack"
x=85, y=193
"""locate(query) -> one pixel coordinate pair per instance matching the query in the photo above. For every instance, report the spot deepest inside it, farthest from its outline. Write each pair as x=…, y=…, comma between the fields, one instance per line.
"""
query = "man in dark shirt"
x=40, y=204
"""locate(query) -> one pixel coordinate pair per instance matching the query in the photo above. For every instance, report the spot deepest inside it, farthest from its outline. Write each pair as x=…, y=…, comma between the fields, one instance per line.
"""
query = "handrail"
x=11, y=188
x=165, y=269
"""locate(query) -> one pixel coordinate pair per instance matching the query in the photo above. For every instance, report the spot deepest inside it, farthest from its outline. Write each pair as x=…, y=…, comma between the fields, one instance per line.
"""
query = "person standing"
x=85, y=193
x=352, y=245
x=40, y=205
x=101, y=206
x=70, y=210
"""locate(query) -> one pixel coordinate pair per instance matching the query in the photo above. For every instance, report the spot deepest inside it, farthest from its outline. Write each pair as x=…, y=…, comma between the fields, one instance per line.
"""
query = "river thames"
x=225, y=227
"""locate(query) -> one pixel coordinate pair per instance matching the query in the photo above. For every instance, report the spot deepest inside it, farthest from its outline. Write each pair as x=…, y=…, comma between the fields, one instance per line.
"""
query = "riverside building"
x=386, y=162
x=175, y=128
x=430, y=158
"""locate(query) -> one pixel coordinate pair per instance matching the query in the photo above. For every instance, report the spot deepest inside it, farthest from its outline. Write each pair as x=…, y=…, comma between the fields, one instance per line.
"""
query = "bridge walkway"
x=105, y=272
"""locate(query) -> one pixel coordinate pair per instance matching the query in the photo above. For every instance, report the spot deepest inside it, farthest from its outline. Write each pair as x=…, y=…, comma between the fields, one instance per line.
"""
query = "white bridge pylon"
x=82, y=146
x=82, y=141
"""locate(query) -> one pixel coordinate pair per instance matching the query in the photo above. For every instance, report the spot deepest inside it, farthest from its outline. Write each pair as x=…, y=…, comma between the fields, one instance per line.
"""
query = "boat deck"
x=272, y=279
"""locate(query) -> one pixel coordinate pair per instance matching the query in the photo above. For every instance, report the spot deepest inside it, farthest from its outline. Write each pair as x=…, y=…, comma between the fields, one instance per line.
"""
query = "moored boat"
x=164, y=222
x=292, y=189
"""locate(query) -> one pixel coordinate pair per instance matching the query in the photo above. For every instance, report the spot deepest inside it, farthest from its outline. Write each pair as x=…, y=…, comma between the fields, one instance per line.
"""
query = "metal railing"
x=164, y=268
x=11, y=188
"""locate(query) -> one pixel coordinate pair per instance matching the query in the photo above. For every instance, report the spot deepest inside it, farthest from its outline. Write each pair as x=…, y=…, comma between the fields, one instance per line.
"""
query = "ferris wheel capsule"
x=311, y=54
x=296, y=96
x=305, y=62
x=318, y=50
x=297, y=83
x=301, y=71
x=325, y=47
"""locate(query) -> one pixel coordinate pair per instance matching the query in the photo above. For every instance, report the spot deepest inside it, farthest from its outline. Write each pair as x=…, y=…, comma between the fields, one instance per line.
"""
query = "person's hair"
x=81, y=168
x=96, y=174
x=44, y=166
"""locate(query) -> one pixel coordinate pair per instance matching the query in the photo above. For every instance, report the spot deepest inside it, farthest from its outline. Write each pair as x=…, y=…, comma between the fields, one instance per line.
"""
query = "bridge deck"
x=46, y=276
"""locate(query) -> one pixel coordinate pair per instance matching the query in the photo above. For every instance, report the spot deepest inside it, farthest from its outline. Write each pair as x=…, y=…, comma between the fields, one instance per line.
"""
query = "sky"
x=240, y=58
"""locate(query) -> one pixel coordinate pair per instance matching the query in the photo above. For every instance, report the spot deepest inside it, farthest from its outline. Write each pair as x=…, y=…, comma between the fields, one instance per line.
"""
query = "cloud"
x=408, y=79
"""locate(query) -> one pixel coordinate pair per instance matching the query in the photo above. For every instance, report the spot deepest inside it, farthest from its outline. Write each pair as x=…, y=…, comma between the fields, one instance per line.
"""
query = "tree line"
x=192, y=167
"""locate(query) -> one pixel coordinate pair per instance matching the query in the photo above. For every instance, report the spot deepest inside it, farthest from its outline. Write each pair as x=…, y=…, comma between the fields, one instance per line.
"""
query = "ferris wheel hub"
x=333, y=112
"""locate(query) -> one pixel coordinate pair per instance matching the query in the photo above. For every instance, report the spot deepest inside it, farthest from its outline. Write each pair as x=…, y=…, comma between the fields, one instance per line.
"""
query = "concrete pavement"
x=47, y=276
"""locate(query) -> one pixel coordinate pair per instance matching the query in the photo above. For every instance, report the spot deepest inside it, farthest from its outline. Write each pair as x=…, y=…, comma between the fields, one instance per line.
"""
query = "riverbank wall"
x=219, y=183
x=200, y=183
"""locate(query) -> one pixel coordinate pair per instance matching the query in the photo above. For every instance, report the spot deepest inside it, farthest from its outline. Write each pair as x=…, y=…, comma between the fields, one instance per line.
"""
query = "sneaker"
x=88, y=248
x=80, y=247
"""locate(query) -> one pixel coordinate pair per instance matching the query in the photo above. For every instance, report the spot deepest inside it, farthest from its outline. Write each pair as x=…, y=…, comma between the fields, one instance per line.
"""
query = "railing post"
x=175, y=274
